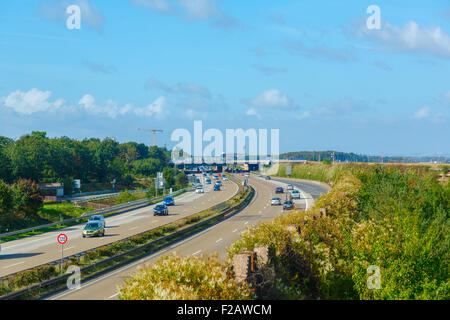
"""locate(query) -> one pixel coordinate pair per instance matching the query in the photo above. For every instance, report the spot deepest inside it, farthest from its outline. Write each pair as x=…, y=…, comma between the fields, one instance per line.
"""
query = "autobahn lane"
x=215, y=239
x=29, y=252
x=314, y=188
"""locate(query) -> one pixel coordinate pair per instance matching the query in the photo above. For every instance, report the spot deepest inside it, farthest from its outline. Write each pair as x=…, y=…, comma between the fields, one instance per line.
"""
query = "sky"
x=312, y=69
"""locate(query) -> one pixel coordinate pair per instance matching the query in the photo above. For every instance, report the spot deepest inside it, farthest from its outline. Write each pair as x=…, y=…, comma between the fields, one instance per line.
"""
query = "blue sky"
x=309, y=68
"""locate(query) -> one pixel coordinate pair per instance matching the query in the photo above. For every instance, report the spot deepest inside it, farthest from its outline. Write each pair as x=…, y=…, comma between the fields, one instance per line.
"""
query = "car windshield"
x=160, y=207
x=95, y=218
x=93, y=225
x=168, y=199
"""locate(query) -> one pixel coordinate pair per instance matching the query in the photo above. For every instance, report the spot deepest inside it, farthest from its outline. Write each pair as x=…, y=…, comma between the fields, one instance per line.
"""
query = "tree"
x=6, y=201
x=28, y=198
x=147, y=167
x=5, y=161
x=181, y=180
x=169, y=176
x=31, y=156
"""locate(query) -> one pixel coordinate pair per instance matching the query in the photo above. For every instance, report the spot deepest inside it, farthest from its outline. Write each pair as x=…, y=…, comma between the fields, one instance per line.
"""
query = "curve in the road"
x=214, y=239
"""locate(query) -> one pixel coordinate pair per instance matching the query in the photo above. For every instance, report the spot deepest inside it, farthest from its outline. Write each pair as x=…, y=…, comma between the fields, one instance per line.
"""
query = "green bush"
x=393, y=218
x=106, y=251
x=192, y=278
x=125, y=196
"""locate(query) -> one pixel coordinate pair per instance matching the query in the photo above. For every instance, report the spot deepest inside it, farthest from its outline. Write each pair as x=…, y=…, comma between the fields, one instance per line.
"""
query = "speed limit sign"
x=62, y=238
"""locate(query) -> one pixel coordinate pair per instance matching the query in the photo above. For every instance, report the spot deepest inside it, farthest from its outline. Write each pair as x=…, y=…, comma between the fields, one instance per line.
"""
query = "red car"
x=279, y=190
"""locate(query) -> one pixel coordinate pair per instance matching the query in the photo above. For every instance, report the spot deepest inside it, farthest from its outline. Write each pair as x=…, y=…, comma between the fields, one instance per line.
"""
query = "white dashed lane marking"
x=12, y=265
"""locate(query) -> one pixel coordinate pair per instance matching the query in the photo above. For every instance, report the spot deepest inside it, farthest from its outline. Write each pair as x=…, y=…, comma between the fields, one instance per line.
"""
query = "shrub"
x=106, y=251
x=125, y=196
x=192, y=278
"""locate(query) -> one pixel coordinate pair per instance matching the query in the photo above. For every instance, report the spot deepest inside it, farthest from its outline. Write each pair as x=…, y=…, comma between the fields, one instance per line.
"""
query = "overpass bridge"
x=218, y=164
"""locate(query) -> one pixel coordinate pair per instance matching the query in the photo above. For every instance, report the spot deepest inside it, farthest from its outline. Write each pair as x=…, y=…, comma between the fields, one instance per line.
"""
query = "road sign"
x=288, y=170
x=77, y=184
x=62, y=238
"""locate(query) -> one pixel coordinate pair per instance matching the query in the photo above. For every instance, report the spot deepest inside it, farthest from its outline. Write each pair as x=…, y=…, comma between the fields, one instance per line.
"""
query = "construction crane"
x=154, y=134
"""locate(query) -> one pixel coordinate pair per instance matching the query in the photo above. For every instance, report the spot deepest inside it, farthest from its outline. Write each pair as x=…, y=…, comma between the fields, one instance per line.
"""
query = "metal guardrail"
x=87, y=214
x=104, y=196
x=228, y=211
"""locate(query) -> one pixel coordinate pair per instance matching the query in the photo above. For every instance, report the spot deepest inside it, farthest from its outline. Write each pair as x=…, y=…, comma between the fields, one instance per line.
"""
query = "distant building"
x=57, y=187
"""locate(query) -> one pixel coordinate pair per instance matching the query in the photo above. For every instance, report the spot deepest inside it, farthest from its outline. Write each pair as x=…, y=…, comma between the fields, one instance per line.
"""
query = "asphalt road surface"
x=315, y=189
x=29, y=252
x=215, y=239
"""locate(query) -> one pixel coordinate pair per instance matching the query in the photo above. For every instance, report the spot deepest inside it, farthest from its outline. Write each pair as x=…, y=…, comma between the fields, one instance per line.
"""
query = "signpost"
x=62, y=239
x=288, y=170
x=159, y=183
x=77, y=184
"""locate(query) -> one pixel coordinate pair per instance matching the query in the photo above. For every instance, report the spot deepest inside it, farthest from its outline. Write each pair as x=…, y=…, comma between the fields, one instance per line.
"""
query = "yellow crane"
x=154, y=133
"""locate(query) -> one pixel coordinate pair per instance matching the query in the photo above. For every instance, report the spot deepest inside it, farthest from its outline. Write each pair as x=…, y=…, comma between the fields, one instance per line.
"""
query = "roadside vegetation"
x=392, y=217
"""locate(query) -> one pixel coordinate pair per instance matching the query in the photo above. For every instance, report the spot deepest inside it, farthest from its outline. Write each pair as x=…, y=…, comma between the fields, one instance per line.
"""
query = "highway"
x=32, y=251
x=314, y=188
x=214, y=239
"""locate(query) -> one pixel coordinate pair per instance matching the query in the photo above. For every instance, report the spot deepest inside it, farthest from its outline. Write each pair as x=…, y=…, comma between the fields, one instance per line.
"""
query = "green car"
x=93, y=229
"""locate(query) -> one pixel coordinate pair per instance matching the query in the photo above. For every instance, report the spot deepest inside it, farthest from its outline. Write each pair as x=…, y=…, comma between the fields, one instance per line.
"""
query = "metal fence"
x=103, y=196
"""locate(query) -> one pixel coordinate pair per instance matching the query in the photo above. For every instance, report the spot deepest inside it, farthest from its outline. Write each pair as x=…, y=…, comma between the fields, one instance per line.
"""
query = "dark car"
x=279, y=190
x=267, y=177
x=161, y=210
x=216, y=187
x=288, y=205
x=169, y=201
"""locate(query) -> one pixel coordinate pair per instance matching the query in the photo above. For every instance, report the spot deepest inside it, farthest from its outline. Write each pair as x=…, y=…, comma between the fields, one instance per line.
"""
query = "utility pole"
x=154, y=133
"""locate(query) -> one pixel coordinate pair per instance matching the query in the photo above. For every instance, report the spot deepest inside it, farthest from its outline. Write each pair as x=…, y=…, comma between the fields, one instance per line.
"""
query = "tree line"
x=41, y=159
x=35, y=158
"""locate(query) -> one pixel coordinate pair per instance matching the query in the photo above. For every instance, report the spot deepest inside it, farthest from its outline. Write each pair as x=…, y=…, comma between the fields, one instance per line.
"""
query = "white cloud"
x=269, y=71
x=422, y=113
x=303, y=115
x=272, y=99
x=411, y=38
x=187, y=88
x=97, y=67
x=161, y=6
x=32, y=101
x=320, y=51
x=253, y=112
x=199, y=9
x=158, y=109
x=193, y=10
x=447, y=96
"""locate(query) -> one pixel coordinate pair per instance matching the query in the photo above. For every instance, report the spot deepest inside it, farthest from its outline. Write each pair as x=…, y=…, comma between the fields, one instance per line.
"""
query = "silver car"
x=275, y=202
x=98, y=218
